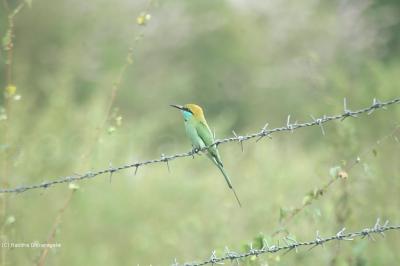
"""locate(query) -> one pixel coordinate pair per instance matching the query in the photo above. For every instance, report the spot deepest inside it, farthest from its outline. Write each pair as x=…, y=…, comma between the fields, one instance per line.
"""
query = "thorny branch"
x=292, y=244
x=340, y=175
x=129, y=60
x=376, y=104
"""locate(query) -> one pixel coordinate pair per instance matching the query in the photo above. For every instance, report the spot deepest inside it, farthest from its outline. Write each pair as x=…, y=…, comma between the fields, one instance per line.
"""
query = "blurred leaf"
x=111, y=130
x=317, y=192
x=283, y=212
x=259, y=241
x=10, y=220
x=10, y=90
x=73, y=186
x=375, y=152
x=334, y=171
x=143, y=18
x=3, y=115
x=7, y=40
x=307, y=199
x=118, y=121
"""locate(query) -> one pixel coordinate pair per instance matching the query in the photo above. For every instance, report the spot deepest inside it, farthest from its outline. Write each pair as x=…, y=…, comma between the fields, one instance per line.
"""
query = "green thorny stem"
x=321, y=191
x=8, y=48
x=98, y=131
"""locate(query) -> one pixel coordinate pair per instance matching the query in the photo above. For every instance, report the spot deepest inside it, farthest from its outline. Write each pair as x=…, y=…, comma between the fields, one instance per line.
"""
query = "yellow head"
x=191, y=109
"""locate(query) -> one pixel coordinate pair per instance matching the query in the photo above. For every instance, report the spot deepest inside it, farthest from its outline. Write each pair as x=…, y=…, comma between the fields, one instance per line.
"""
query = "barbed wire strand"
x=292, y=244
x=376, y=104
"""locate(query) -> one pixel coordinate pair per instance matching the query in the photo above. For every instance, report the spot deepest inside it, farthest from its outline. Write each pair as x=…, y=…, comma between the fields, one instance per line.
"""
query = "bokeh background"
x=247, y=63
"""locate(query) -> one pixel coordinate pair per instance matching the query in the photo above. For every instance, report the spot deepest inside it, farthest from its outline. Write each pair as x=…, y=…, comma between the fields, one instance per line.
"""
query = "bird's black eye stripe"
x=187, y=109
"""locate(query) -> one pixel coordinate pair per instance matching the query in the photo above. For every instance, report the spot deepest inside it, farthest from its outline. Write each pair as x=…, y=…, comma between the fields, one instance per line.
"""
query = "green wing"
x=204, y=132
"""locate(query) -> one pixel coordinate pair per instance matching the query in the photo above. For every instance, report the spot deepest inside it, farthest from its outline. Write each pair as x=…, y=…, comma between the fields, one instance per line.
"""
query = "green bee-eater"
x=200, y=135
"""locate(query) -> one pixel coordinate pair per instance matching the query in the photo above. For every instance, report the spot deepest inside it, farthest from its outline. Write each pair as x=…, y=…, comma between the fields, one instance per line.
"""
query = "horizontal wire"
x=376, y=104
x=292, y=244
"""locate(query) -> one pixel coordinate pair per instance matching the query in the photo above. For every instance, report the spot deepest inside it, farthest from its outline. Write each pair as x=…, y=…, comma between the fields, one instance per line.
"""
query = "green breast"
x=192, y=134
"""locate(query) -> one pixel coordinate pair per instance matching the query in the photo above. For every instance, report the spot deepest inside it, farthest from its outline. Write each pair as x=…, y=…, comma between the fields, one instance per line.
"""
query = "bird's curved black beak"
x=180, y=107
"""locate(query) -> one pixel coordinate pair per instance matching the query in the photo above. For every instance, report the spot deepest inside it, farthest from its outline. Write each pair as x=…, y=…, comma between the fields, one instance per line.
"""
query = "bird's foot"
x=195, y=151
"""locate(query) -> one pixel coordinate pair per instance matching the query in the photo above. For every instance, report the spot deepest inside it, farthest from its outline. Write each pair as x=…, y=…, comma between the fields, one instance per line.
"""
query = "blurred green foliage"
x=246, y=63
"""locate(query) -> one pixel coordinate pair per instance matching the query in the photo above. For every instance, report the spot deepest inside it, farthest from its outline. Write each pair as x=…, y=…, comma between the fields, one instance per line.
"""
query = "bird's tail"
x=228, y=180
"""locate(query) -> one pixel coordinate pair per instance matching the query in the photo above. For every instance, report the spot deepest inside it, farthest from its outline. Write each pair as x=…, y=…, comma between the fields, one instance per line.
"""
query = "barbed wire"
x=264, y=132
x=293, y=244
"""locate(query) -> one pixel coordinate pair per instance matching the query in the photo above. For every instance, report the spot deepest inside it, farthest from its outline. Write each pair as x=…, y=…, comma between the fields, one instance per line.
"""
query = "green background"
x=247, y=63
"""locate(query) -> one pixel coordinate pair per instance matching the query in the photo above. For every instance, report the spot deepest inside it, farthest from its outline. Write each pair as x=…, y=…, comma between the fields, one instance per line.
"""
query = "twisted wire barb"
x=376, y=104
x=292, y=244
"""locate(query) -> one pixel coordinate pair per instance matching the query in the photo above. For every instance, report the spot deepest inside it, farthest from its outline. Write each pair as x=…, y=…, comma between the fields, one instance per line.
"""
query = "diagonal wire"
x=292, y=244
x=289, y=127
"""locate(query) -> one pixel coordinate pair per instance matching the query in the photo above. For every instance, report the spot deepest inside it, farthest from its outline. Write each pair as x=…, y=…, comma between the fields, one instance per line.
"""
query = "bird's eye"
x=188, y=110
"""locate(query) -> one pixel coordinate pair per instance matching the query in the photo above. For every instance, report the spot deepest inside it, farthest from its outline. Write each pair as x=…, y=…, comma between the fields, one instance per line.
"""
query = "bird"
x=201, y=137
